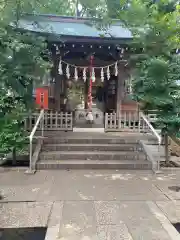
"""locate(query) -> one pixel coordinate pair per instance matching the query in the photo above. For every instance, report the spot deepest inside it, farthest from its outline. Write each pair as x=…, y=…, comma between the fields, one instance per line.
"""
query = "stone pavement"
x=92, y=205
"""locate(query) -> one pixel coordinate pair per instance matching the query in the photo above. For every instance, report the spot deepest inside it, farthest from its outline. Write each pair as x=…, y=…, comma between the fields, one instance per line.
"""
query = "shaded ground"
x=23, y=233
x=88, y=205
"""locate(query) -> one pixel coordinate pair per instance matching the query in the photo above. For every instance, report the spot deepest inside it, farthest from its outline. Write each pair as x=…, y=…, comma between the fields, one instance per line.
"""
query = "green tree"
x=157, y=69
x=155, y=85
x=59, y=7
x=22, y=64
x=12, y=133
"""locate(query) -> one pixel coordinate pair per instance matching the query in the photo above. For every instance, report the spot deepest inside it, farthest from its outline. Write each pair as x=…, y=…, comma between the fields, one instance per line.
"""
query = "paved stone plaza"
x=92, y=205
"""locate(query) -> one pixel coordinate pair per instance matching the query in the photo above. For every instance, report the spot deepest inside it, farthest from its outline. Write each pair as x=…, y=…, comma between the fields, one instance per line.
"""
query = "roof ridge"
x=60, y=16
x=67, y=17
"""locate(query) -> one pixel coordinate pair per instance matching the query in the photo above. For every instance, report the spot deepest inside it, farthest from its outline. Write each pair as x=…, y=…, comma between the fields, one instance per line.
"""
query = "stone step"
x=91, y=147
x=93, y=164
x=90, y=140
x=98, y=134
x=92, y=155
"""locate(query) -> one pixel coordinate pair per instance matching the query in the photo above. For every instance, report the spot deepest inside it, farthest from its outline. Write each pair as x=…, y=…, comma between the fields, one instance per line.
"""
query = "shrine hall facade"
x=81, y=49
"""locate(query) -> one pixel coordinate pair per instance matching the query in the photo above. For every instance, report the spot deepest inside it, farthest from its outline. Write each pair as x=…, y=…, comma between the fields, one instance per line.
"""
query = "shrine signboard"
x=42, y=98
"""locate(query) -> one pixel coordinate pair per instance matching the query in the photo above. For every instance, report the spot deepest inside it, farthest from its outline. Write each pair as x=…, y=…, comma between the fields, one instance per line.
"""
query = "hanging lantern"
x=102, y=75
x=108, y=73
x=60, y=68
x=75, y=74
x=84, y=75
x=116, y=69
x=67, y=71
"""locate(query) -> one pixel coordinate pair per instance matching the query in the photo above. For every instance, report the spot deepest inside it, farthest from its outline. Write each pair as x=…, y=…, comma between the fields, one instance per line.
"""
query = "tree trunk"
x=14, y=157
x=166, y=147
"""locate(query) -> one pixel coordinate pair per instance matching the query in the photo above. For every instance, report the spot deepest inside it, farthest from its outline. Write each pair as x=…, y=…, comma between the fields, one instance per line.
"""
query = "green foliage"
x=93, y=8
x=155, y=85
x=59, y=7
x=157, y=70
x=12, y=134
x=12, y=110
x=22, y=65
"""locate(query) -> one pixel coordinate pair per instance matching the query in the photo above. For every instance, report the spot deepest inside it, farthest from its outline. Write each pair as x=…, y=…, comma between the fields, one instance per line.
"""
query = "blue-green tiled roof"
x=69, y=26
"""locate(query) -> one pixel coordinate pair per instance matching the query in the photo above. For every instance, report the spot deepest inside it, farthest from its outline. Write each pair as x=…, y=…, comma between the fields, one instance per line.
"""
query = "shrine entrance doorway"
x=79, y=96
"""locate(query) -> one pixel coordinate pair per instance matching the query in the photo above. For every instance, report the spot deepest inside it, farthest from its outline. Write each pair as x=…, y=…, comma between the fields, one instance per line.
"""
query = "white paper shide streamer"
x=67, y=72
x=102, y=74
x=108, y=73
x=116, y=69
x=93, y=75
x=60, y=67
x=84, y=75
x=105, y=70
x=75, y=74
x=130, y=86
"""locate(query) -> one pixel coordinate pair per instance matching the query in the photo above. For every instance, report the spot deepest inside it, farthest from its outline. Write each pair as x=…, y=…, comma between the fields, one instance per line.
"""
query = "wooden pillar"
x=60, y=84
x=58, y=89
x=57, y=82
x=120, y=87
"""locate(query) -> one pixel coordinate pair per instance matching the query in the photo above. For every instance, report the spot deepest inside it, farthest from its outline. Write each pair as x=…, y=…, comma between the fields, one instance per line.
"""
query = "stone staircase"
x=92, y=151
